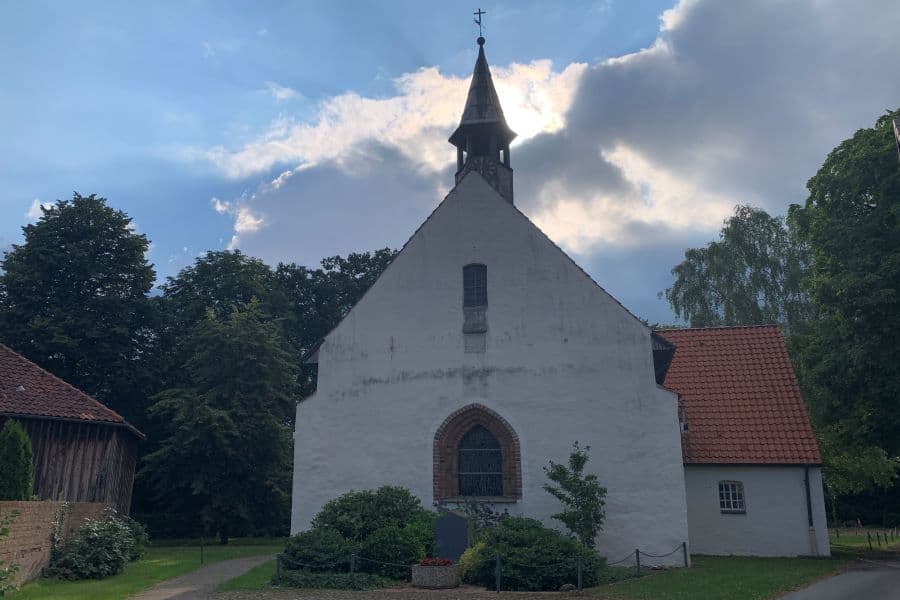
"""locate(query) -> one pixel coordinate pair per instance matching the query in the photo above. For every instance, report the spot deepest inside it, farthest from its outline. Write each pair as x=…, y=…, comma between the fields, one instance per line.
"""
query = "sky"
x=298, y=130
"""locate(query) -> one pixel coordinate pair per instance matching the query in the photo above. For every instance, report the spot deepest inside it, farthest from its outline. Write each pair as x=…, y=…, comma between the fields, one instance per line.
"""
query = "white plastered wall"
x=563, y=362
x=776, y=522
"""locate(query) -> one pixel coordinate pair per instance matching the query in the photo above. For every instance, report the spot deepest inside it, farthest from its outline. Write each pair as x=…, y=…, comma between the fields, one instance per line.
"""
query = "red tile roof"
x=27, y=390
x=741, y=397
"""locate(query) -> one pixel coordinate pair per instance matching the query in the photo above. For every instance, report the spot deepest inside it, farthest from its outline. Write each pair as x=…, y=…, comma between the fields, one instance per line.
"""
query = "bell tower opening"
x=482, y=139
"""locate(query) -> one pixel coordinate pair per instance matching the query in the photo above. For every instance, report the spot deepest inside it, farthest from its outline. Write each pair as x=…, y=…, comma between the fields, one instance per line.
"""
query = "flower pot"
x=435, y=577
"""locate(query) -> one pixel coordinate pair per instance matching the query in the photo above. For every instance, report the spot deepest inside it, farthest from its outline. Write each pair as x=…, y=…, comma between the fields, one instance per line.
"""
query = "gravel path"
x=200, y=584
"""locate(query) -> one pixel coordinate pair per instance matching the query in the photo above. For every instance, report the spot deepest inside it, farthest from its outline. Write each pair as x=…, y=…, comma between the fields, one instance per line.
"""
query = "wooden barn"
x=83, y=451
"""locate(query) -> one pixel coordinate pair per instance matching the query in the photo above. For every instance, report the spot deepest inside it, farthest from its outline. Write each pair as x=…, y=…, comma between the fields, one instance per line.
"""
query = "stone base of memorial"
x=435, y=578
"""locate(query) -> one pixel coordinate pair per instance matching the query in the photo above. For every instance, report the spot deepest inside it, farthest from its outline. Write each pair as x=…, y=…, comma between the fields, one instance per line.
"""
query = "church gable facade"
x=541, y=357
x=483, y=352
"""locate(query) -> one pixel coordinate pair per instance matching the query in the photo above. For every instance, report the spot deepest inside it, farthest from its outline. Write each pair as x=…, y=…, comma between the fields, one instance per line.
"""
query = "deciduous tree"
x=751, y=275
x=848, y=355
x=74, y=299
x=226, y=451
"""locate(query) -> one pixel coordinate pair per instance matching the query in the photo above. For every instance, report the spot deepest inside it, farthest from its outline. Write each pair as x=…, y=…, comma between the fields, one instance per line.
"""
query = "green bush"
x=16, y=462
x=421, y=532
x=100, y=548
x=469, y=561
x=356, y=515
x=318, y=550
x=333, y=581
x=6, y=571
x=533, y=557
x=141, y=538
x=398, y=546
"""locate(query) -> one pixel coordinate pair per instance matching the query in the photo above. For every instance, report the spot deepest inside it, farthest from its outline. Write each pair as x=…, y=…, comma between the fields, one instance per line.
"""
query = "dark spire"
x=483, y=137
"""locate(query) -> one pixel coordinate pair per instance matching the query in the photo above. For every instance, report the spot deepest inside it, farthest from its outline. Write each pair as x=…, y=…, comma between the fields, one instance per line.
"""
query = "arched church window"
x=476, y=455
x=480, y=464
x=474, y=285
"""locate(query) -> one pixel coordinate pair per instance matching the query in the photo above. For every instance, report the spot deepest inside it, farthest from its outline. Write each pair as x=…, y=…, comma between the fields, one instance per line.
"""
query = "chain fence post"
x=201, y=549
x=637, y=562
x=277, y=567
x=497, y=574
x=869, y=537
x=684, y=553
x=580, y=579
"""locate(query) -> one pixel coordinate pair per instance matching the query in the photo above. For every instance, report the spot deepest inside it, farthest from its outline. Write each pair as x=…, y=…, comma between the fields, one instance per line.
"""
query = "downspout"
x=813, y=545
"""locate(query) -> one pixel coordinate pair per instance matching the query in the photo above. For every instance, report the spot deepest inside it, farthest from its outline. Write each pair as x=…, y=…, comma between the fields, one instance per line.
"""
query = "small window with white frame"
x=731, y=497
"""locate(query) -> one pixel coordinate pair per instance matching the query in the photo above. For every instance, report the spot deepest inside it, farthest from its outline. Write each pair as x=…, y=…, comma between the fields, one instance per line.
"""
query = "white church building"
x=483, y=352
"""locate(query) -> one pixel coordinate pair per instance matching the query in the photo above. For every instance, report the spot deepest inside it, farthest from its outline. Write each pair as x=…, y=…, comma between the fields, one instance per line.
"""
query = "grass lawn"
x=158, y=564
x=850, y=541
x=724, y=578
x=257, y=578
x=710, y=578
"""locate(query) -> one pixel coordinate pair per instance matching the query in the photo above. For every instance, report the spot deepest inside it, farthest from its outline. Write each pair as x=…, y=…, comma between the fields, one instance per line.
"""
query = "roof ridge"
x=714, y=327
x=32, y=364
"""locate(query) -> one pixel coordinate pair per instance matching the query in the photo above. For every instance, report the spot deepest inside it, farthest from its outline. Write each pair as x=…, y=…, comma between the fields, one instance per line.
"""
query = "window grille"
x=731, y=497
x=474, y=285
x=480, y=464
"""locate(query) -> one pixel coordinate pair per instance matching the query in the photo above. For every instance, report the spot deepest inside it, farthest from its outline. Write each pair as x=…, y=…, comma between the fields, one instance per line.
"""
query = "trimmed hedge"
x=332, y=581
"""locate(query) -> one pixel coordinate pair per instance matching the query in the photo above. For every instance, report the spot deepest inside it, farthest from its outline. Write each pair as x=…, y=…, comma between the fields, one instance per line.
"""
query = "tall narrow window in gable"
x=474, y=285
x=480, y=464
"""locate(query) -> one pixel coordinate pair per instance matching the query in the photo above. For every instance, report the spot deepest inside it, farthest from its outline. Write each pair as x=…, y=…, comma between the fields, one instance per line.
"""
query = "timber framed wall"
x=79, y=461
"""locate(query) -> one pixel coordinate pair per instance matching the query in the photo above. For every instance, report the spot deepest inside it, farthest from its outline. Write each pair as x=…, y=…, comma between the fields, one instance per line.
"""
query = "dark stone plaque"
x=451, y=533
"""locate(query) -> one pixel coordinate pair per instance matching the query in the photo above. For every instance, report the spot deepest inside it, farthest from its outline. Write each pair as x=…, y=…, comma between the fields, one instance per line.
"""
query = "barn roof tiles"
x=742, y=402
x=27, y=390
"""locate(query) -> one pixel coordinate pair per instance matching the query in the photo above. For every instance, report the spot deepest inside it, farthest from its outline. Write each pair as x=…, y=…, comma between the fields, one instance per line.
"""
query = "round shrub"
x=100, y=548
x=469, y=561
x=356, y=515
x=533, y=557
x=401, y=547
x=318, y=550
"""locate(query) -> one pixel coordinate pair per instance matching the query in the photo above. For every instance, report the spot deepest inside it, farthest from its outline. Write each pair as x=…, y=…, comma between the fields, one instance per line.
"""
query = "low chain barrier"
x=499, y=562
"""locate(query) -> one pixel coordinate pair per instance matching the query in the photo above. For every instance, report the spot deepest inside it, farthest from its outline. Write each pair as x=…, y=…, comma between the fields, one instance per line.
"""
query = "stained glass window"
x=474, y=285
x=480, y=464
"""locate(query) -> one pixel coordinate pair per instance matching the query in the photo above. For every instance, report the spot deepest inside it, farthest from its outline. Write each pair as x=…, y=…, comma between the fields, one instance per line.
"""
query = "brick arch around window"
x=446, y=451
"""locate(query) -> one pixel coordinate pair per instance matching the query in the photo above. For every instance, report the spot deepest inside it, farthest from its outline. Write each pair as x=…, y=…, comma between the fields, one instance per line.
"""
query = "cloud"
x=245, y=219
x=280, y=92
x=34, y=211
x=415, y=121
x=213, y=49
x=624, y=162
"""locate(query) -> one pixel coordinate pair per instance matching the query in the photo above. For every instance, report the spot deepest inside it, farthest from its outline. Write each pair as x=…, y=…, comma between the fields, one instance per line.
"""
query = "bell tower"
x=483, y=137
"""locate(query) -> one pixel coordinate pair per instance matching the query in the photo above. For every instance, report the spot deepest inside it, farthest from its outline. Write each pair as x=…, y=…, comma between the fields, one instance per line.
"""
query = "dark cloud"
x=737, y=102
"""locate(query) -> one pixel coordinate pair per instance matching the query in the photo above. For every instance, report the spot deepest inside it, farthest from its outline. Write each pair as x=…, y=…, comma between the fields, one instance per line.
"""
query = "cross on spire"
x=477, y=20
